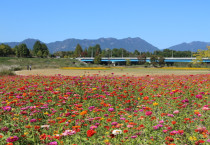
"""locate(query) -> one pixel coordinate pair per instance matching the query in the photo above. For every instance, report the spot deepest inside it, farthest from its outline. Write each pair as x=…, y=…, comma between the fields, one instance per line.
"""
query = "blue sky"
x=162, y=23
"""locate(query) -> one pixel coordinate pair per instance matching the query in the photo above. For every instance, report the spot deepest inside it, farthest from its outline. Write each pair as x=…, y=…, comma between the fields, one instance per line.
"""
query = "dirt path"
x=129, y=71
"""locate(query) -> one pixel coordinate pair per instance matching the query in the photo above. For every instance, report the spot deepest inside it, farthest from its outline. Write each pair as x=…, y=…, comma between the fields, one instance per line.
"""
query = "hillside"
x=130, y=44
x=193, y=46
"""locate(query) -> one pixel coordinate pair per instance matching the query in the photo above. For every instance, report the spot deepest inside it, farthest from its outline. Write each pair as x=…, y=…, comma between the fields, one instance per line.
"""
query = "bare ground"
x=127, y=71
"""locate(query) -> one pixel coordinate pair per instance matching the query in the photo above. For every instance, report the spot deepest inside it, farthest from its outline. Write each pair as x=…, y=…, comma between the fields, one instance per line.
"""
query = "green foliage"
x=37, y=63
x=154, y=60
x=161, y=61
x=40, y=49
x=5, y=50
x=92, y=51
x=39, y=53
x=37, y=46
x=136, y=52
x=69, y=54
x=85, y=53
x=6, y=70
x=21, y=50
x=6, y=73
x=141, y=59
x=97, y=59
x=128, y=62
x=78, y=51
x=200, y=55
x=97, y=49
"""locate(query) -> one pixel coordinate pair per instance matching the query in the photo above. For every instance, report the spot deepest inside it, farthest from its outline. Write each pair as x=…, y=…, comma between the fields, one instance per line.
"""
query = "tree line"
x=93, y=51
x=41, y=50
x=21, y=50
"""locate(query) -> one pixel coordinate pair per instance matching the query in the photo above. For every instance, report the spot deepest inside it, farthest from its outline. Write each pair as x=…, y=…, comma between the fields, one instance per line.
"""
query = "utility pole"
x=172, y=54
x=111, y=53
x=191, y=52
x=122, y=53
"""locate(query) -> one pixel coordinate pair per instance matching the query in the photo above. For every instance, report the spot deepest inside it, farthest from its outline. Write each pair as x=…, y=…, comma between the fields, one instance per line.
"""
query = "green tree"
x=84, y=53
x=154, y=60
x=45, y=51
x=23, y=51
x=141, y=59
x=136, y=53
x=97, y=49
x=38, y=46
x=128, y=62
x=200, y=55
x=78, y=51
x=39, y=53
x=5, y=50
x=97, y=59
x=161, y=61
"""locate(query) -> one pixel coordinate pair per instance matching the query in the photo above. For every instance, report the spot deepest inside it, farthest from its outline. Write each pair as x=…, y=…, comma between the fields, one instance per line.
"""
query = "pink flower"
x=53, y=143
x=170, y=115
x=122, y=118
x=12, y=139
x=134, y=136
x=69, y=132
x=129, y=126
x=199, y=96
x=33, y=120
x=114, y=123
x=155, y=127
x=148, y=113
x=93, y=127
x=160, y=125
x=161, y=121
x=205, y=108
x=111, y=109
x=173, y=132
x=7, y=108
x=165, y=131
x=176, y=112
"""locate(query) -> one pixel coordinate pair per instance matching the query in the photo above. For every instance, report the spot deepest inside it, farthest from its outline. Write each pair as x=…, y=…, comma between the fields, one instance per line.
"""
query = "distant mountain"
x=193, y=46
x=29, y=42
x=130, y=44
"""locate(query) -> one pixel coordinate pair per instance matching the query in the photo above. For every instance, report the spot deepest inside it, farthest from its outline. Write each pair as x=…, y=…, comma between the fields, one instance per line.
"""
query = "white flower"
x=115, y=132
x=45, y=126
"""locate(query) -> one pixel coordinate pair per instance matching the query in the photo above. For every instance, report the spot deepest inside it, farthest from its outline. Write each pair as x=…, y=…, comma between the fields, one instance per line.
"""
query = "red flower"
x=107, y=127
x=173, y=122
x=90, y=133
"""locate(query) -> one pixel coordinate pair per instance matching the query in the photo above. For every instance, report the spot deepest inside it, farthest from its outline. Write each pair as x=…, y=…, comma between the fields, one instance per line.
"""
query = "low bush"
x=6, y=73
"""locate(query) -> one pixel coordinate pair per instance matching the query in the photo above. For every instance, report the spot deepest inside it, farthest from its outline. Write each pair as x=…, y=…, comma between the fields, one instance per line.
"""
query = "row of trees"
x=21, y=50
x=93, y=51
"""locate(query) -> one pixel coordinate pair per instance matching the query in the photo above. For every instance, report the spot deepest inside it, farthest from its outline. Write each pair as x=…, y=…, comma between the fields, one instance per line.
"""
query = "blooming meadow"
x=60, y=110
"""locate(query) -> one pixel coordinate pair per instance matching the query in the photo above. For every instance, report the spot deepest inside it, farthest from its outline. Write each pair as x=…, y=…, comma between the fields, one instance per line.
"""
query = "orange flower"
x=36, y=127
x=28, y=126
x=109, y=119
x=83, y=112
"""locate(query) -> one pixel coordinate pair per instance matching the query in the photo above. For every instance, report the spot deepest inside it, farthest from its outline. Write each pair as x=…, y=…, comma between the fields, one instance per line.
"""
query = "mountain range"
x=130, y=44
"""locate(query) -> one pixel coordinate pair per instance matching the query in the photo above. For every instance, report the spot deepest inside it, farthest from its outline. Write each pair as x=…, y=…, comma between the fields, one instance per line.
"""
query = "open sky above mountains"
x=162, y=23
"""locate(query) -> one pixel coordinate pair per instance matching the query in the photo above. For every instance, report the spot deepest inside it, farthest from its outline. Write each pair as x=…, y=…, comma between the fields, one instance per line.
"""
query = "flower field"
x=112, y=110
